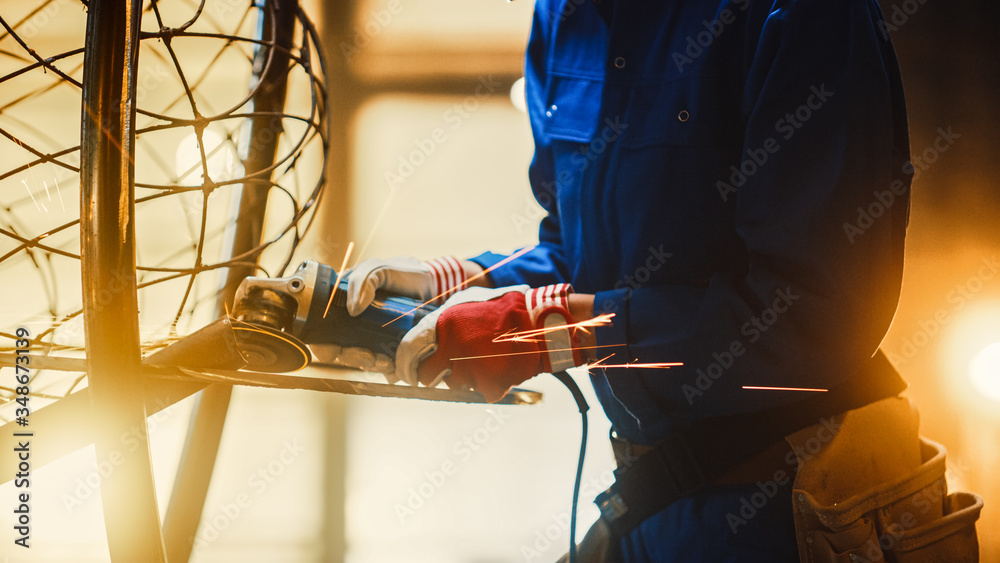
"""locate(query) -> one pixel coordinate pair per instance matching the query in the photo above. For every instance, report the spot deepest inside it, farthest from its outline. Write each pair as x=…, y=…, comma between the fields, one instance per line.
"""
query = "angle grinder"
x=273, y=320
x=297, y=309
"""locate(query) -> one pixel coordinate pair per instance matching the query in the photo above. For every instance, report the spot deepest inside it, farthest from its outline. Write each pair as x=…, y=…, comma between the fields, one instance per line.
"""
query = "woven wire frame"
x=194, y=96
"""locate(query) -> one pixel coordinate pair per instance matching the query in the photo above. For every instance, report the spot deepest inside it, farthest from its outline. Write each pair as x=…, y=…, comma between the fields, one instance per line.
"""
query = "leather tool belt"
x=876, y=492
x=867, y=487
x=709, y=451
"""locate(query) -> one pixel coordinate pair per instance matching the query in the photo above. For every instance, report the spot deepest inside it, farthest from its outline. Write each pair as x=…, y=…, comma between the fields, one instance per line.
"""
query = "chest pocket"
x=571, y=108
x=693, y=111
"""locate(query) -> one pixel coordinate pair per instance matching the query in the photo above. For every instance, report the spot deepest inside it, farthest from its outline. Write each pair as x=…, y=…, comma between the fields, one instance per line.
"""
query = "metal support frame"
x=119, y=399
x=107, y=224
x=344, y=95
x=201, y=447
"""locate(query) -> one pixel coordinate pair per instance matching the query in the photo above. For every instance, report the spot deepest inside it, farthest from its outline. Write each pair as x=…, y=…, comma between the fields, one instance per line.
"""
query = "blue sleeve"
x=822, y=221
x=545, y=264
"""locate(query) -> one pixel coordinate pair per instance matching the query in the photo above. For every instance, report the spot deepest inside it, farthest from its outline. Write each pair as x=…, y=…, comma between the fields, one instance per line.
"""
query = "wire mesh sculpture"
x=194, y=97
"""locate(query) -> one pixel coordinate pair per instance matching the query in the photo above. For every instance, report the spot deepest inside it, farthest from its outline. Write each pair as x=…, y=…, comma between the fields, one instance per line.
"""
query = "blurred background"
x=429, y=157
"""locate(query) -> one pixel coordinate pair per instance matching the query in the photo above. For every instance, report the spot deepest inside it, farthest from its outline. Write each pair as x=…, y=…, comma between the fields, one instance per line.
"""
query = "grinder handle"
x=379, y=328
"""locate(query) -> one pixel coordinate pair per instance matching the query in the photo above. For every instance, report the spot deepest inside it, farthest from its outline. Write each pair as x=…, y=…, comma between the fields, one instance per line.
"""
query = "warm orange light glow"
x=340, y=276
x=532, y=335
x=984, y=370
x=516, y=255
x=784, y=389
x=967, y=357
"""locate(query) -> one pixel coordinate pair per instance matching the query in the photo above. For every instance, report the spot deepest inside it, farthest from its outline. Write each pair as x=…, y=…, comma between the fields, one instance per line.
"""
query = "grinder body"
x=296, y=306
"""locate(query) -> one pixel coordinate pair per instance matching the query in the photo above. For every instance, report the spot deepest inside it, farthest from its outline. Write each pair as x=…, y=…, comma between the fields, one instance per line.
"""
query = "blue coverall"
x=731, y=179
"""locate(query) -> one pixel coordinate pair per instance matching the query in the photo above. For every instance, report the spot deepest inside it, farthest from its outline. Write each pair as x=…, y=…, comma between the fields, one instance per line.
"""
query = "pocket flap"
x=843, y=513
x=959, y=521
x=572, y=108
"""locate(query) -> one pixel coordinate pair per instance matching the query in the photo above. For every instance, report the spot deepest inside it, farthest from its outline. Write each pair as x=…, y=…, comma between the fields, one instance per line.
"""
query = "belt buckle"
x=622, y=448
x=611, y=505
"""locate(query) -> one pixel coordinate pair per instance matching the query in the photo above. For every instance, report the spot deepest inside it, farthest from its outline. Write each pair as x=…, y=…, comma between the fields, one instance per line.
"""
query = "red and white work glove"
x=468, y=342
x=404, y=275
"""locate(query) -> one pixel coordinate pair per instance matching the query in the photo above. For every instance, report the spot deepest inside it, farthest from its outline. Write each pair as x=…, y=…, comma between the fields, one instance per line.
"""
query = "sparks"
x=55, y=178
x=535, y=352
x=650, y=365
x=31, y=195
x=647, y=365
x=517, y=254
x=377, y=222
x=785, y=389
x=532, y=335
x=34, y=180
x=340, y=276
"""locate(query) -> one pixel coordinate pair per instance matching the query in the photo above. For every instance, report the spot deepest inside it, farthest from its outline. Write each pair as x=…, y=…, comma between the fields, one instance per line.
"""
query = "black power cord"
x=581, y=404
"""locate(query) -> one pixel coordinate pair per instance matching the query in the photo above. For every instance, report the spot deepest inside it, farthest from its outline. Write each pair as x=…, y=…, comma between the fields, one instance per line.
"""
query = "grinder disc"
x=269, y=350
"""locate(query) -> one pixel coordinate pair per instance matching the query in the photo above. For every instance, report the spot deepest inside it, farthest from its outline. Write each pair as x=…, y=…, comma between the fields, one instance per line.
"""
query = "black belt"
x=686, y=461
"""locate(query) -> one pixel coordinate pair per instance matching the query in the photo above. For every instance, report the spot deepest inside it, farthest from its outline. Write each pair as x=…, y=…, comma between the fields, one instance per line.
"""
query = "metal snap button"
x=684, y=115
x=620, y=62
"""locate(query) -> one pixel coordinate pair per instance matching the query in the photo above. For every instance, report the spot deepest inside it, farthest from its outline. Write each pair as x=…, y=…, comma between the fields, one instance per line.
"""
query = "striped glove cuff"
x=447, y=275
x=548, y=308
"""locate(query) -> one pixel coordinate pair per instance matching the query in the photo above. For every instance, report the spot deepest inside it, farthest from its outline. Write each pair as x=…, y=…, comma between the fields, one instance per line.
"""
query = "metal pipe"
x=277, y=24
x=110, y=305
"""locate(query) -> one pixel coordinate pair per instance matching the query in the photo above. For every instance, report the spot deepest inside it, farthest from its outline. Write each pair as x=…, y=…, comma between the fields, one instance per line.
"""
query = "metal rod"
x=277, y=25
x=66, y=438
x=108, y=274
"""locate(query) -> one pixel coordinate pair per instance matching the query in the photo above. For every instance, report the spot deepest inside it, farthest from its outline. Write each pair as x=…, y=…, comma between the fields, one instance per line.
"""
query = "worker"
x=727, y=186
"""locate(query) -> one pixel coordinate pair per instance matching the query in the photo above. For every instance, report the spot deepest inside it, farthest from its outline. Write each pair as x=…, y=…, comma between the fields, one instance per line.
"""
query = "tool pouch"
x=872, y=490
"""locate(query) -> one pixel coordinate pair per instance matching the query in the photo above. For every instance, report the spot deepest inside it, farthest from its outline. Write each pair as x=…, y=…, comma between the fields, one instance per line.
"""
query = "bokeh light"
x=984, y=370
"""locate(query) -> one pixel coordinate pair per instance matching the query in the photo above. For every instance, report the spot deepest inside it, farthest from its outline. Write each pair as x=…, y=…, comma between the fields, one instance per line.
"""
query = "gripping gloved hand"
x=403, y=275
x=476, y=323
x=356, y=358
